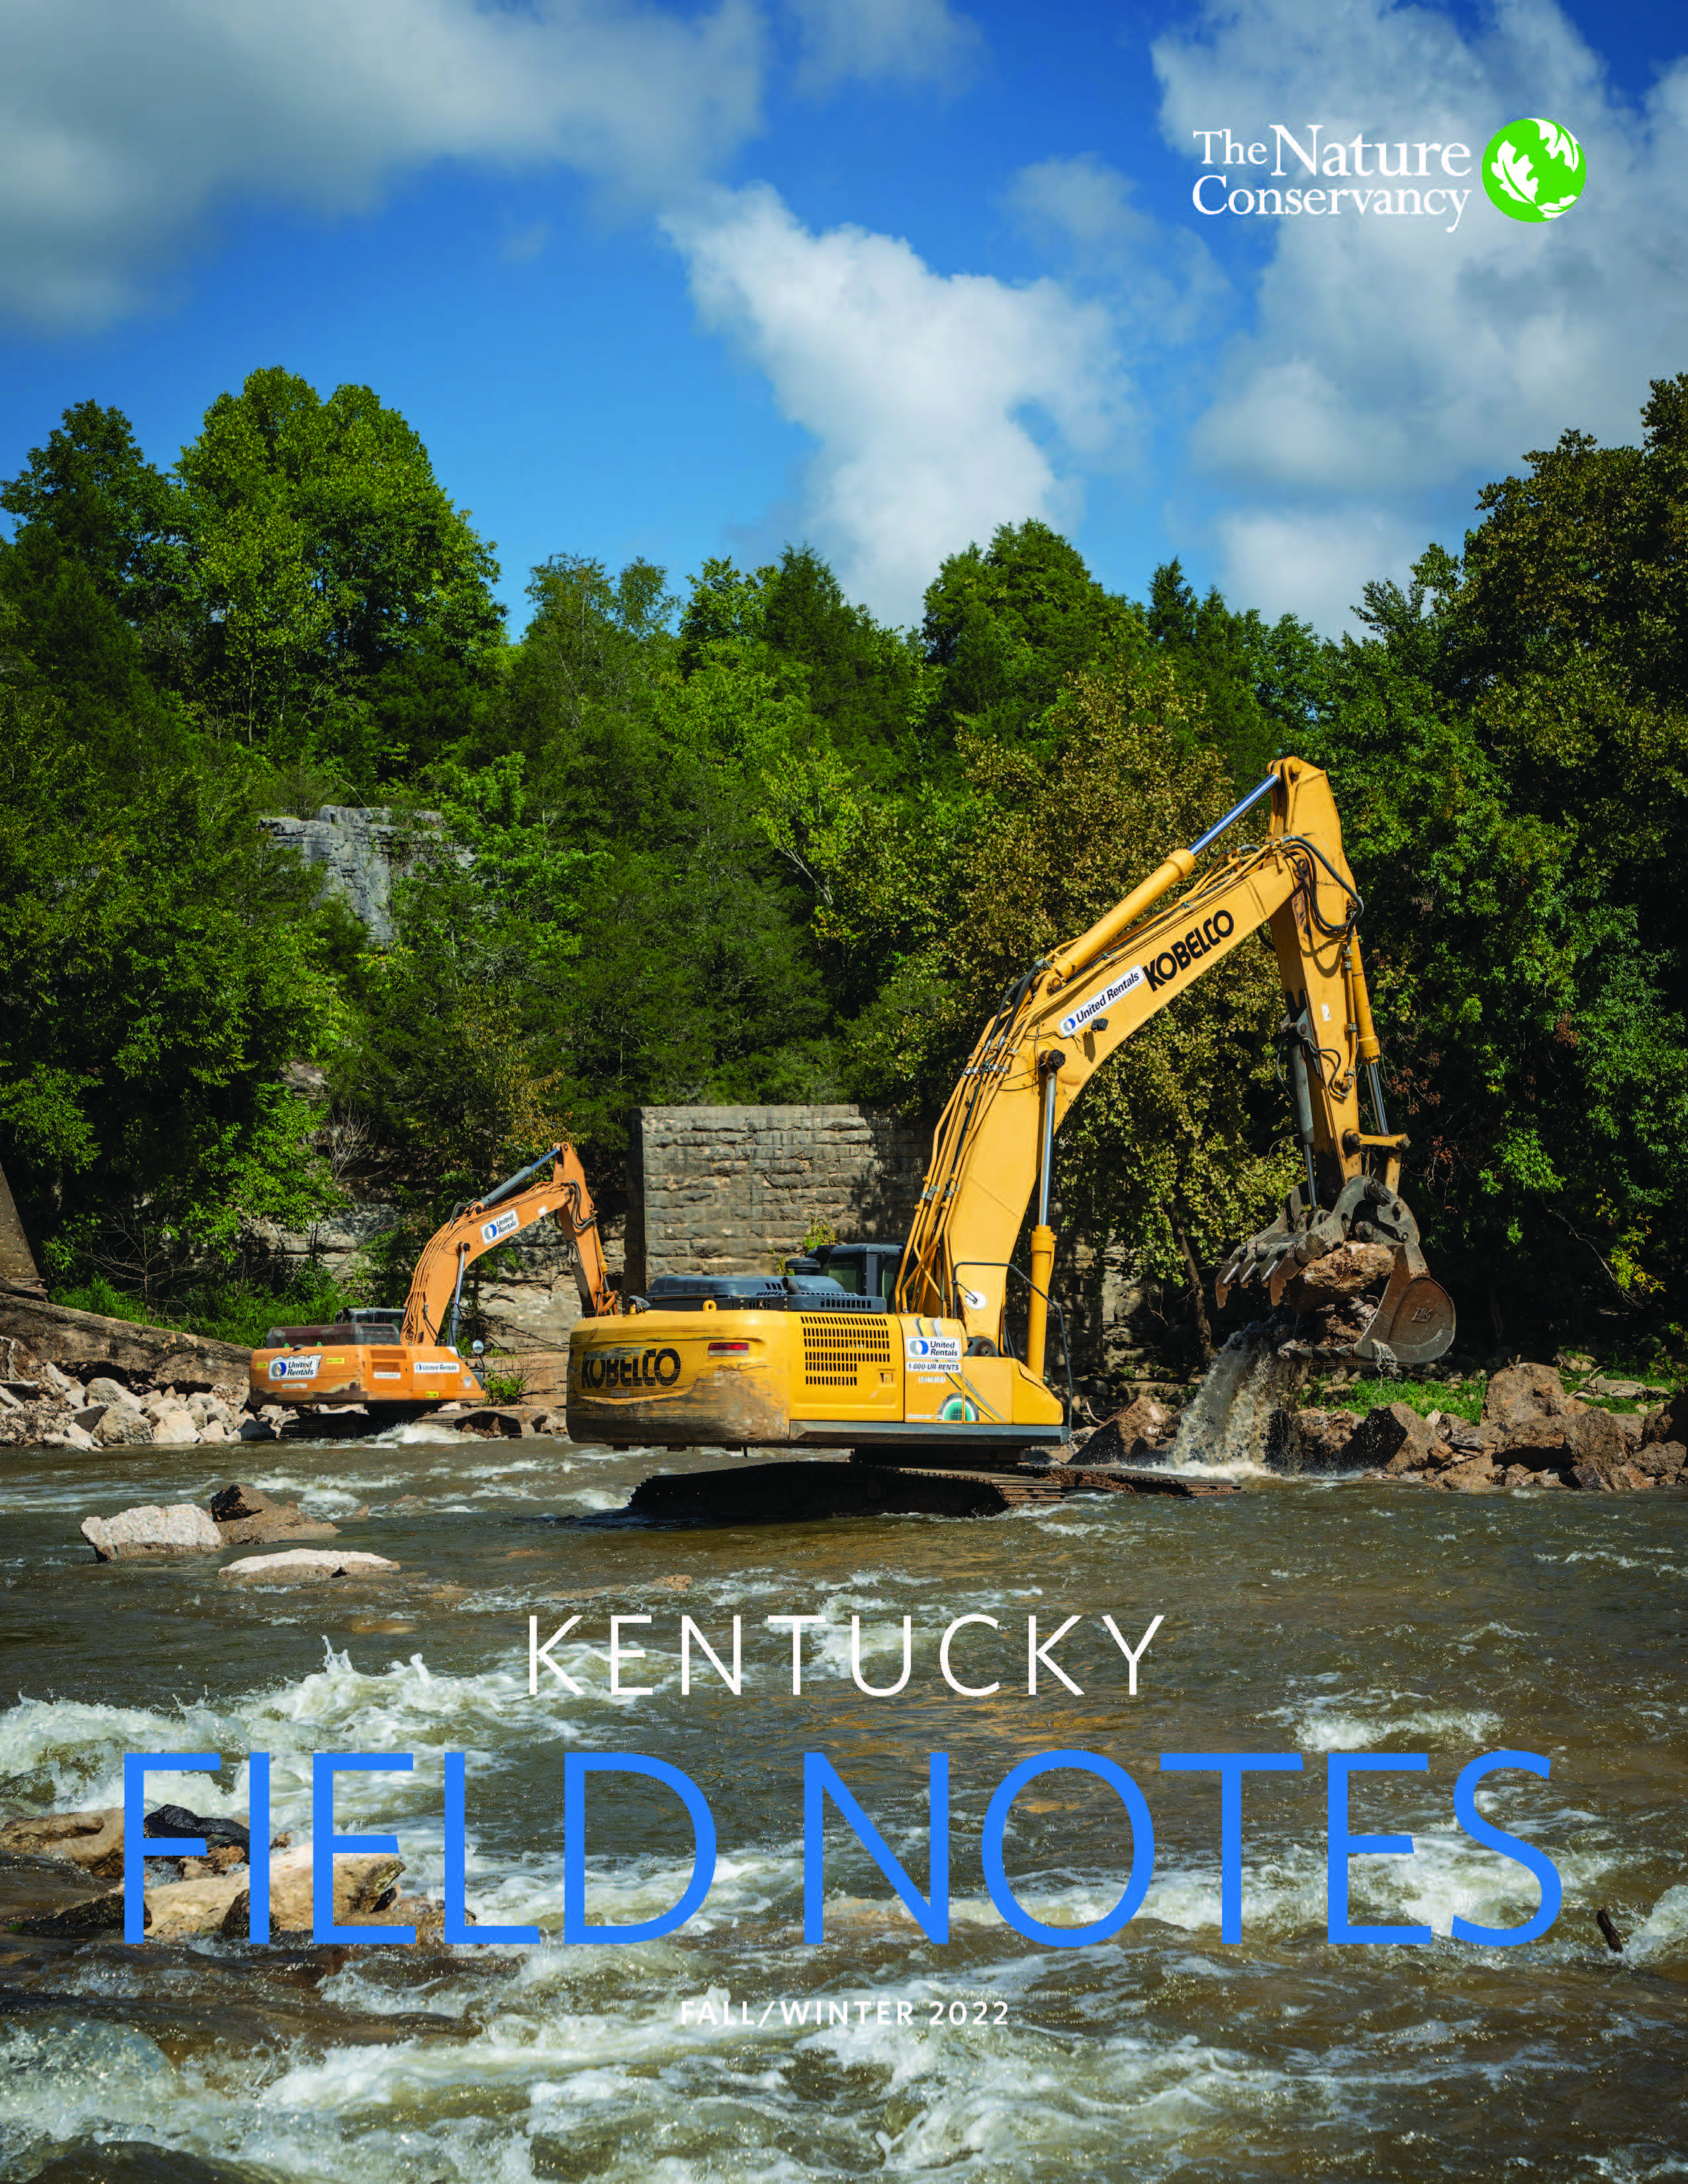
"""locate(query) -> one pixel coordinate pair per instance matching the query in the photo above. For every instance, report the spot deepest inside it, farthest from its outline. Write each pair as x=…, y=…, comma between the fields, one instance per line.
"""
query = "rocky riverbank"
x=1531, y=1433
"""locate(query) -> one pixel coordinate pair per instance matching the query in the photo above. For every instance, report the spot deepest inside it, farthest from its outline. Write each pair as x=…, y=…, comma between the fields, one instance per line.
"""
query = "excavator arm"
x=433, y=1308
x=993, y=1145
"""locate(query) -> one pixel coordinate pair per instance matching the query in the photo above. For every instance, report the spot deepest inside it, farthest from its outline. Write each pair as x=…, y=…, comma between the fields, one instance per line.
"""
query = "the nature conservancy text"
x=1235, y=171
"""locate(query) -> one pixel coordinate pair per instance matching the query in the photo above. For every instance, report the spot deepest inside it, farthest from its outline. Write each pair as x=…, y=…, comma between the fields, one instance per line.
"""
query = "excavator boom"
x=994, y=1141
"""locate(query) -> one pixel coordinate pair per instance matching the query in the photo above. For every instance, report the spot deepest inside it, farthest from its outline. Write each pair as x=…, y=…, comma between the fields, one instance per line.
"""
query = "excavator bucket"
x=1414, y=1321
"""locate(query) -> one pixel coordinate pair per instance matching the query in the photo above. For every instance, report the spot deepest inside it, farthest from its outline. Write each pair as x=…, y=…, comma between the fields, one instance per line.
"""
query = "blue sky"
x=877, y=273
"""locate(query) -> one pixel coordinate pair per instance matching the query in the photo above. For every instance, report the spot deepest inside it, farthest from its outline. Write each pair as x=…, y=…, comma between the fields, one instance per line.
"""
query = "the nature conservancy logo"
x=1532, y=170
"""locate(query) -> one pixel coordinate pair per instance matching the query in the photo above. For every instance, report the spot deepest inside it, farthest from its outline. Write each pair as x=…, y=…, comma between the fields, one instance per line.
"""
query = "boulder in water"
x=181, y=1529
x=1129, y=1434
x=304, y=1566
x=361, y=1880
x=1662, y=1462
x=247, y=1516
x=1393, y=1438
x=1325, y=1440
x=117, y=1425
x=86, y=1839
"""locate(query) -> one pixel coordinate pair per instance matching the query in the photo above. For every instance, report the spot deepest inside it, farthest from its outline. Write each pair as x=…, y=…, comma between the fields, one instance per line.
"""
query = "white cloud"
x=1163, y=283
x=916, y=385
x=915, y=40
x=1313, y=564
x=123, y=126
x=1083, y=201
x=1391, y=358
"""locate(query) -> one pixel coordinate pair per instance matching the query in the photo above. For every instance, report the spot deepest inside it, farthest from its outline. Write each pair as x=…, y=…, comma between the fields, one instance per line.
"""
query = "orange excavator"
x=380, y=1357
x=932, y=1372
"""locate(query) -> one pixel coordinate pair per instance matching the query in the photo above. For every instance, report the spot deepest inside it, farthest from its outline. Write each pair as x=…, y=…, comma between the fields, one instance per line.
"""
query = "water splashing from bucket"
x=1237, y=1420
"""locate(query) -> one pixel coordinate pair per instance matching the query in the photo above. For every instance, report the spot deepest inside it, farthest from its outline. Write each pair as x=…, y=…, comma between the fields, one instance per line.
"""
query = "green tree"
x=335, y=586
x=161, y=962
x=1006, y=625
x=1185, y=1123
x=1260, y=680
x=1508, y=751
x=93, y=492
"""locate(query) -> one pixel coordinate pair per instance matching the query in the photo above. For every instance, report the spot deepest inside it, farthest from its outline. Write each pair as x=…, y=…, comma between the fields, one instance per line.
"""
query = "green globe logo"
x=1534, y=170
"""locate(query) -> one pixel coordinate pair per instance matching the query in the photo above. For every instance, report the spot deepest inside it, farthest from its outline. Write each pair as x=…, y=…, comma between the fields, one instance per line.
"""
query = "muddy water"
x=1299, y=1617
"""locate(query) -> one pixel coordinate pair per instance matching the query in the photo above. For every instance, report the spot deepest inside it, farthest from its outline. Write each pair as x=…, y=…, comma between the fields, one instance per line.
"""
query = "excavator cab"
x=859, y=1269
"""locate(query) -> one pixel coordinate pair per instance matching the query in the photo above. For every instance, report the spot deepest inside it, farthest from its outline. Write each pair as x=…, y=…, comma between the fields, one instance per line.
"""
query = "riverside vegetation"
x=741, y=841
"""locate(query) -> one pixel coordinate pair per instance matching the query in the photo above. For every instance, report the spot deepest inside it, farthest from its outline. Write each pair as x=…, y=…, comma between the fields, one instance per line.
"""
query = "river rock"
x=1128, y=1434
x=84, y=1839
x=1393, y=1438
x=1478, y=1476
x=105, y=1389
x=1522, y=1397
x=304, y=1566
x=1595, y=1437
x=216, y=1832
x=1327, y=1439
x=174, y=1428
x=198, y=1906
x=247, y=1516
x=120, y=1426
x=94, y=1914
x=489, y=1424
x=360, y=1881
x=1345, y=1272
x=181, y=1529
x=1668, y=1422
x=1663, y=1461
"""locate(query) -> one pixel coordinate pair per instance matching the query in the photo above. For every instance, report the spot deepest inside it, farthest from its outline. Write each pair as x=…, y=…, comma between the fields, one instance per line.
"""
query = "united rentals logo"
x=1093, y=1007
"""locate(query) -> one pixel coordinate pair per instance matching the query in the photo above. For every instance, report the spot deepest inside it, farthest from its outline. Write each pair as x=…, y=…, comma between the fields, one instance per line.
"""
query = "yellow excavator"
x=379, y=1356
x=926, y=1375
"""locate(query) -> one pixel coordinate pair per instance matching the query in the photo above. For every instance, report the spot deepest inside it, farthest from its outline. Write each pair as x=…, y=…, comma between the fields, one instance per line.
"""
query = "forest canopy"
x=728, y=838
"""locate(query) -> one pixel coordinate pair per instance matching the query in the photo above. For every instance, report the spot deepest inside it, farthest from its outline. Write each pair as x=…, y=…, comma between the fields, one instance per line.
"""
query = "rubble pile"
x=114, y=1407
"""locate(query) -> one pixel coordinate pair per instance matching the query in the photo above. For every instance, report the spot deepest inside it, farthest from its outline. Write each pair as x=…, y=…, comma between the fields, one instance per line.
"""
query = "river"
x=1300, y=1617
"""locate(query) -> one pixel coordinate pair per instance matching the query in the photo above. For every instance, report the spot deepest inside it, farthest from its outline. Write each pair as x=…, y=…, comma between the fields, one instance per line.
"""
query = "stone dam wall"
x=735, y=1190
